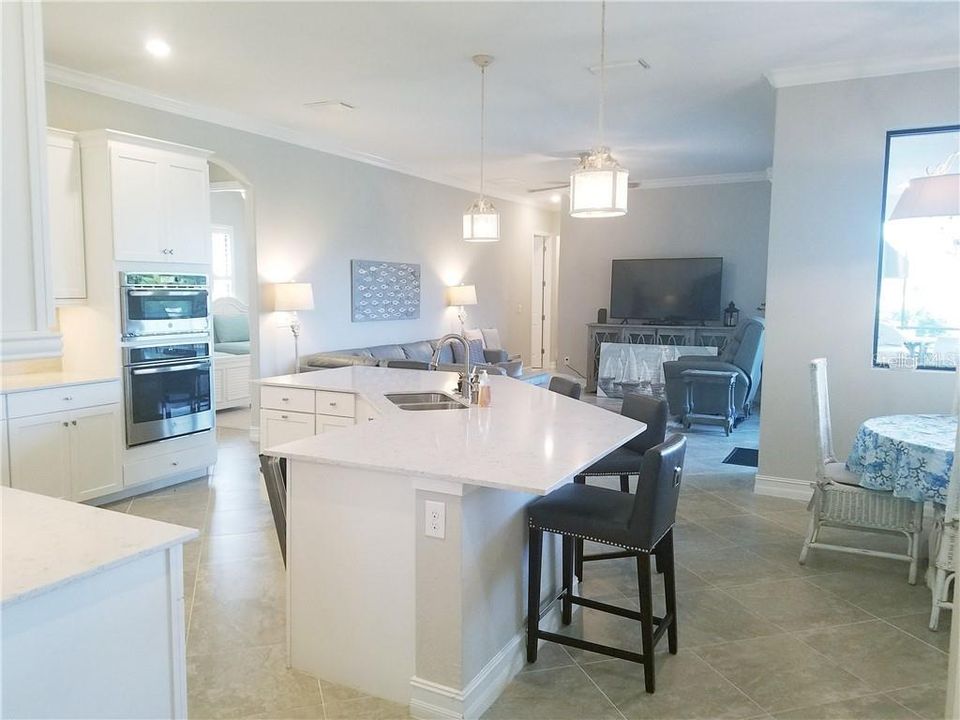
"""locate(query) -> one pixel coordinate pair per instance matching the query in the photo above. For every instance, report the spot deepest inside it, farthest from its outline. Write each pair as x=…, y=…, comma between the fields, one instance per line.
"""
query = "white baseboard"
x=790, y=488
x=432, y=701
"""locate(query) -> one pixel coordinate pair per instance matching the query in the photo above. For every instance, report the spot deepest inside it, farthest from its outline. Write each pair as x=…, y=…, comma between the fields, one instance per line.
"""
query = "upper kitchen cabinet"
x=65, y=208
x=152, y=197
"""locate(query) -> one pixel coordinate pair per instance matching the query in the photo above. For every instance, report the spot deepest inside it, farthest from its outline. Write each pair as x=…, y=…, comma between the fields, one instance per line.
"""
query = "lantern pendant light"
x=598, y=187
x=481, y=221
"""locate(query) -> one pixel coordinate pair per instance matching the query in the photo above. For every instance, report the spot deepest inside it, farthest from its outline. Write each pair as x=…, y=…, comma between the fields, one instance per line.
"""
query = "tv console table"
x=638, y=334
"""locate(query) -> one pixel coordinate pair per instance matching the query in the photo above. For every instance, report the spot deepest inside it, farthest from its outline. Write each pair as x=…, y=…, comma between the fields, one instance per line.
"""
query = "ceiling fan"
x=565, y=184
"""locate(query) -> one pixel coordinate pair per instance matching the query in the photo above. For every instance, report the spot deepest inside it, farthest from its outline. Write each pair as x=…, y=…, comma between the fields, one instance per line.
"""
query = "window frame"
x=232, y=277
x=891, y=134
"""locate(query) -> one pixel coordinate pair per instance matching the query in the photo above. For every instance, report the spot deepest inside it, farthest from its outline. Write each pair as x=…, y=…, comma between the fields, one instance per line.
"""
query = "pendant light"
x=598, y=187
x=481, y=221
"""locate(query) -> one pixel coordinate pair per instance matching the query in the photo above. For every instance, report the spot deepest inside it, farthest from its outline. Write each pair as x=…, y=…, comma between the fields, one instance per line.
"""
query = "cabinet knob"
x=68, y=398
x=285, y=399
x=284, y=417
x=174, y=463
x=73, y=422
x=333, y=404
x=66, y=424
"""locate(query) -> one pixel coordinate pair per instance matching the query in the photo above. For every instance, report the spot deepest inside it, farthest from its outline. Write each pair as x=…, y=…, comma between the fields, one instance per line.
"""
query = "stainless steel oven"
x=154, y=304
x=167, y=391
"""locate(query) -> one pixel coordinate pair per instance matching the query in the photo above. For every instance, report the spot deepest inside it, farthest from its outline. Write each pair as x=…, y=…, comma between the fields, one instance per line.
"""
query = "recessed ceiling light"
x=555, y=198
x=157, y=47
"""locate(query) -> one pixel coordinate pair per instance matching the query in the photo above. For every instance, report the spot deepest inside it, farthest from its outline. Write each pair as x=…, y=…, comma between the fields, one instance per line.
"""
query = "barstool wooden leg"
x=624, y=483
x=533, y=593
x=665, y=556
x=566, y=607
x=578, y=559
x=646, y=619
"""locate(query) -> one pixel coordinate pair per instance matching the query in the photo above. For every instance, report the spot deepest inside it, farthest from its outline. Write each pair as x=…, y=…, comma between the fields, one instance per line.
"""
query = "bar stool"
x=566, y=387
x=627, y=459
x=641, y=524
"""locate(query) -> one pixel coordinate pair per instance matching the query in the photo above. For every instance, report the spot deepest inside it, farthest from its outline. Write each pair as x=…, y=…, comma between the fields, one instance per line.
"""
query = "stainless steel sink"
x=449, y=405
x=425, y=401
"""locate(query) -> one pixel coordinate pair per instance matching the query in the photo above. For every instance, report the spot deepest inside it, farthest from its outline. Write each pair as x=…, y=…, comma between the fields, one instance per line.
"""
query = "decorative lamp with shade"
x=290, y=297
x=933, y=201
x=460, y=296
x=598, y=186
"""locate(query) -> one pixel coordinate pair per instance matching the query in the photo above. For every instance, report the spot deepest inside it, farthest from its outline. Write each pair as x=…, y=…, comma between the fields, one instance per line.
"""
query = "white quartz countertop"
x=43, y=380
x=529, y=439
x=48, y=542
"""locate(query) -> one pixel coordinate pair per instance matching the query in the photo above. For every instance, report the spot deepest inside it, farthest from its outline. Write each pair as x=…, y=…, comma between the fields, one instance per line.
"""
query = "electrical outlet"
x=435, y=514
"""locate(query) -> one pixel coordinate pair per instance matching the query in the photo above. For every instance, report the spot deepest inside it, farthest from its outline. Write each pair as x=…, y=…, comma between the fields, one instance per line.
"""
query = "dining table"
x=910, y=455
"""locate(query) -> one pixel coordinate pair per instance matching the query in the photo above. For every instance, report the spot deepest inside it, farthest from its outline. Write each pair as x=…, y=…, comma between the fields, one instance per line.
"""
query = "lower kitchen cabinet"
x=278, y=427
x=73, y=454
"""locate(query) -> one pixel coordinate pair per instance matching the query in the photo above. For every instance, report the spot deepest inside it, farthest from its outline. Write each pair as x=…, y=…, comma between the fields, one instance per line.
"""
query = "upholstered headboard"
x=229, y=306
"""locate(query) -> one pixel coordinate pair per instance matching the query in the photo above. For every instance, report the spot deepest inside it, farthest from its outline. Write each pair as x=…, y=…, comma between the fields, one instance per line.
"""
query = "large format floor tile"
x=797, y=605
x=564, y=693
x=781, y=672
x=870, y=707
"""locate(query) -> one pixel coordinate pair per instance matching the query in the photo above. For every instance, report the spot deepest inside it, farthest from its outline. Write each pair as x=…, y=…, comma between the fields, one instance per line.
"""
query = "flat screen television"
x=667, y=289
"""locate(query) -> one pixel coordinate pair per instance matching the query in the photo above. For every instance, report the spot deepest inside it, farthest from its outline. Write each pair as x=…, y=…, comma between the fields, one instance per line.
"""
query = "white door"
x=95, y=451
x=139, y=223
x=65, y=212
x=278, y=427
x=188, y=210
x=541, y=301
x=40, y=454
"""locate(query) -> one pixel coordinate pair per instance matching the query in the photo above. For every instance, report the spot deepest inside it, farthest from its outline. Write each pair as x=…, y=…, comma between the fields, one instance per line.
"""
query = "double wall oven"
x=166, y=355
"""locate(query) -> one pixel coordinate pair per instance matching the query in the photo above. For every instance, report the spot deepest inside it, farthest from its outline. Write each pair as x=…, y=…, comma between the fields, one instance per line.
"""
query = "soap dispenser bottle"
x=483, y=396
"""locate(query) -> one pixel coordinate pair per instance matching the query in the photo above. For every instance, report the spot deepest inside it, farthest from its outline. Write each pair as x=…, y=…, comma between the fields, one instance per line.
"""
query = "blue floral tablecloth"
x=908, y=454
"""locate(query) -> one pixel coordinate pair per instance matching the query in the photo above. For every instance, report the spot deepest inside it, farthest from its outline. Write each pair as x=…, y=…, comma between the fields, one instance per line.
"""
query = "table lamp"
x=460, y=296
x=290, y=297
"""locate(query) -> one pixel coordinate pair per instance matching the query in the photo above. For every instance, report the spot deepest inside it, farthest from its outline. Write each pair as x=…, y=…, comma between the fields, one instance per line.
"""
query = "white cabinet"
x=279, y=426
x=40, y=454
x=65, y=212
x=326, y=423
x=231, y=380
x=66, y=441
x=152, y=196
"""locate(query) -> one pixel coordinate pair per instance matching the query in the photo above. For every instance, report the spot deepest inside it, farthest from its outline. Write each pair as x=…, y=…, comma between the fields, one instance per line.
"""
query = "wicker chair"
x=839, y=501
x=944, y=553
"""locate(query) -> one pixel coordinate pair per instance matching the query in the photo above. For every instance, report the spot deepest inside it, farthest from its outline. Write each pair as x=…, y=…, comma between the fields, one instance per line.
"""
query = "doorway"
x=543, y=285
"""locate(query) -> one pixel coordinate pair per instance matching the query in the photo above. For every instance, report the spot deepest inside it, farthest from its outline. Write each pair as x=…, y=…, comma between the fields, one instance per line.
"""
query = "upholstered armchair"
x=743, y=355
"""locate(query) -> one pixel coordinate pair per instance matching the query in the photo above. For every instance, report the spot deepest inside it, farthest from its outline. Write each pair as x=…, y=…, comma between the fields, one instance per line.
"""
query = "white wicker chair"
x=944, y=552
x=838, y=501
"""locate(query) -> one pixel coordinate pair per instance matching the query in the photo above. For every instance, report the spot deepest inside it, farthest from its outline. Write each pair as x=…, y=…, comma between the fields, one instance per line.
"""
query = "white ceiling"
x=704, y=107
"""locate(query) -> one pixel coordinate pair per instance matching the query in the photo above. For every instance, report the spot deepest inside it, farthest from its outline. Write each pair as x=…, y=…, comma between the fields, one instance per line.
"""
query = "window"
x=222, y=261
x=918, y=307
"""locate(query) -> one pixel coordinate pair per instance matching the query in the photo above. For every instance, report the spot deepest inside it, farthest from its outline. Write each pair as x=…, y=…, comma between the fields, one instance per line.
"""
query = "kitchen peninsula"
x=406, y=531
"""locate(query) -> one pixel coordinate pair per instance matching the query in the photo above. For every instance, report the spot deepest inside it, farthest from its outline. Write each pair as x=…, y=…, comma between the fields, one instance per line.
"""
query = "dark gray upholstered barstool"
x=640, y=524
x=566, y=387
x=627, y=459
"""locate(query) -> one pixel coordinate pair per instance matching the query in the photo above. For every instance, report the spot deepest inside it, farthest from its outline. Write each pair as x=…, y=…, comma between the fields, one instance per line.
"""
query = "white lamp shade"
x=293, y=296
x=598, y=187
x=927, y=197
x=481, y=222
x=460, y=295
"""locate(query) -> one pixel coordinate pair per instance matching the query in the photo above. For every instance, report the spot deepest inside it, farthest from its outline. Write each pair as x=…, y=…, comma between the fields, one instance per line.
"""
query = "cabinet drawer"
x=336, y=403
x=67, y=397
x=326, y=423
x=161, y=466
x=281, y=398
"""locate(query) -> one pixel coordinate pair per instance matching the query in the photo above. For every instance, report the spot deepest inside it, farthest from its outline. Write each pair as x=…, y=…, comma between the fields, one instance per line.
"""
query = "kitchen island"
x=92, y=607
x=406, y=529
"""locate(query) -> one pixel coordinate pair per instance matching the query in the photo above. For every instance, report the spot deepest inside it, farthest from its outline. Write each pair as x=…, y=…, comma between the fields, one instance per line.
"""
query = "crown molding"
x=690, y=180
x=836, y=72
x=99, y=85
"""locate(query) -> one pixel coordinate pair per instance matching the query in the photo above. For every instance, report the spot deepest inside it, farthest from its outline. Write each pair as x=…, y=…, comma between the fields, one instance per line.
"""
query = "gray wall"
x=822, y=272
x=729, y=220
x=315, y=212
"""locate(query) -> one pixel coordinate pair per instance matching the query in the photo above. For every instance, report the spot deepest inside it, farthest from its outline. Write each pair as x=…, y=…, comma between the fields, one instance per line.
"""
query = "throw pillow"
x=491, y=339
x=476, y=352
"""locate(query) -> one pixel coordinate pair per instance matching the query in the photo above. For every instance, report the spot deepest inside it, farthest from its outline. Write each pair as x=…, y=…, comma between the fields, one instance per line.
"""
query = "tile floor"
x=760, y=636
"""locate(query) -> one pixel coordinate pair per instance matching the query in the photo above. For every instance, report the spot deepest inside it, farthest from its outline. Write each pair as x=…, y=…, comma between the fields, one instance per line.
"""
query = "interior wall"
x=728, y=220
x=824, y=248
x=315, y=212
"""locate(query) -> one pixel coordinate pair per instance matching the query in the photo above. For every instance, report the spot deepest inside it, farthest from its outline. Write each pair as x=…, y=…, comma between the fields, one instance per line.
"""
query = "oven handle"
x=168, y=368
x=166, y=293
